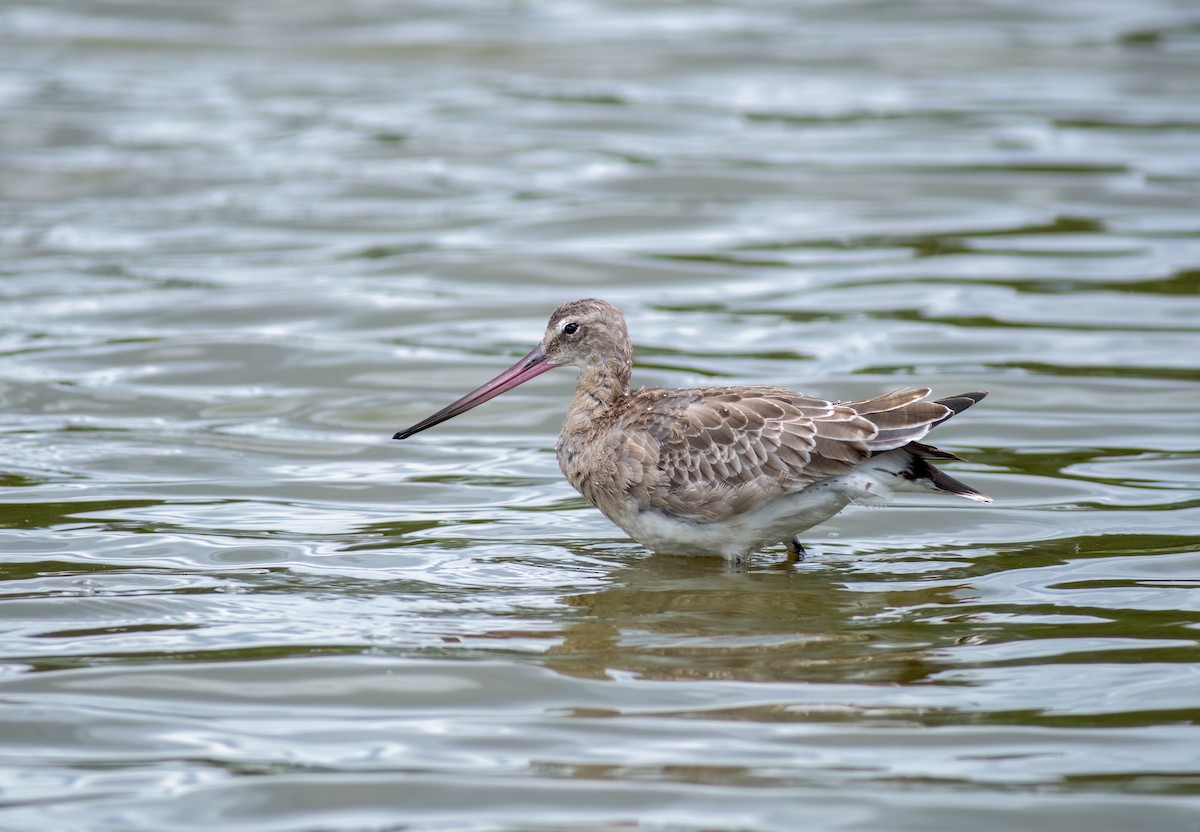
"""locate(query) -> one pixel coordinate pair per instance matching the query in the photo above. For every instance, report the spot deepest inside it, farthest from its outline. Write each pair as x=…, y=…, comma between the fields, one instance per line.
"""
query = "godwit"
x=719, y=470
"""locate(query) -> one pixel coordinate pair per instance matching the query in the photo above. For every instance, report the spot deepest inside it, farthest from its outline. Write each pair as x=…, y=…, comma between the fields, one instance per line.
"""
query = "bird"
x=720, y=471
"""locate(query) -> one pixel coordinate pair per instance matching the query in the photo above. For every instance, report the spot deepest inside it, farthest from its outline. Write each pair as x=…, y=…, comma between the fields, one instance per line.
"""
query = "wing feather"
x=715, y=452
x=721, y=450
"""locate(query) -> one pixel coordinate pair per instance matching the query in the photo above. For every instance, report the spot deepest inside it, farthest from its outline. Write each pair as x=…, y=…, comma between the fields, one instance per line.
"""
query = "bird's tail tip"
x=942, y=481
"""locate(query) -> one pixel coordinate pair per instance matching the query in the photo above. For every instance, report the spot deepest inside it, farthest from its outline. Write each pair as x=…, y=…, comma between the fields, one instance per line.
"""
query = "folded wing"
x=711, y=452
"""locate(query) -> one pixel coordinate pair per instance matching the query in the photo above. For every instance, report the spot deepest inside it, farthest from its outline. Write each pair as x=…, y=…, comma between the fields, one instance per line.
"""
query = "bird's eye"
x=571, y=328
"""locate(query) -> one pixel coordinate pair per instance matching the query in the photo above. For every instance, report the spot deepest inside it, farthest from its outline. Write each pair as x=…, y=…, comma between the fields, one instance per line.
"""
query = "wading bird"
x=720, y=470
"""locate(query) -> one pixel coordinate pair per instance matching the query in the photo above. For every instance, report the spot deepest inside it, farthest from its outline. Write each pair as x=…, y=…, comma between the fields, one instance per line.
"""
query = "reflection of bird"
x=719, y=470
x=678, y=619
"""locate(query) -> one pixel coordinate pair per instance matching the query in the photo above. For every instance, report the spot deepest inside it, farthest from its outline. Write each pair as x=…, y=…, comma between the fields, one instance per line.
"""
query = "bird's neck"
x=599, y=389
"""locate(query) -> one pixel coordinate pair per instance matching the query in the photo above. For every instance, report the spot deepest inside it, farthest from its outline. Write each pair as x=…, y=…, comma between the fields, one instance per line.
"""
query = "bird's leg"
x=796, y=551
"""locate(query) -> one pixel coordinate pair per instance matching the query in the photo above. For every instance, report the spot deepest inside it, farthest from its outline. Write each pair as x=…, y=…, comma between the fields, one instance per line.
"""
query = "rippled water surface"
x=245, y=242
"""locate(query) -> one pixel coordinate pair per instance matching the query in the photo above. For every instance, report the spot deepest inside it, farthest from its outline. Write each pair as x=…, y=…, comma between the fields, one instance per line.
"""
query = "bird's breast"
x=613, y=472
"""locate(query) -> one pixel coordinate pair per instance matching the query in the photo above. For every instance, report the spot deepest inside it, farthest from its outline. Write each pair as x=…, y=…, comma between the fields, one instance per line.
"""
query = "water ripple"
x=246, y=243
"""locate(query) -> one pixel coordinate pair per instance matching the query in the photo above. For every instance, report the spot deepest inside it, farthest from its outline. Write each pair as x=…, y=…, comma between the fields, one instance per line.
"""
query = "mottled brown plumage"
x=719, y=470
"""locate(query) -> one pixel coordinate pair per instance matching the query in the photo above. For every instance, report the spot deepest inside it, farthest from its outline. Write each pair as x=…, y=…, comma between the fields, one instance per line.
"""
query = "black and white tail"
x=908, y=466
x=919, y=470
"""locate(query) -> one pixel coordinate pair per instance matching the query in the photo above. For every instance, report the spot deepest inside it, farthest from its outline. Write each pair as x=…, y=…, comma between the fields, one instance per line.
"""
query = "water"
x=243, y=243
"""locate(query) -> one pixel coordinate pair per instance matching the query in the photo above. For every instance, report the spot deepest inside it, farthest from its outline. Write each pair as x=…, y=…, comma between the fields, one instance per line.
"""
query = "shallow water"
x=246, y=242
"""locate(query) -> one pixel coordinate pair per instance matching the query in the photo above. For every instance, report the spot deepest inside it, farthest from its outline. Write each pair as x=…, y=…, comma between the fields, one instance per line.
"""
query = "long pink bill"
x=528, y=367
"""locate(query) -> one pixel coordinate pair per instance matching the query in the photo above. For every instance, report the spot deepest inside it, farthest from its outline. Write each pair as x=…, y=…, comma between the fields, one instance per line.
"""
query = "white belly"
x=735, y=537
